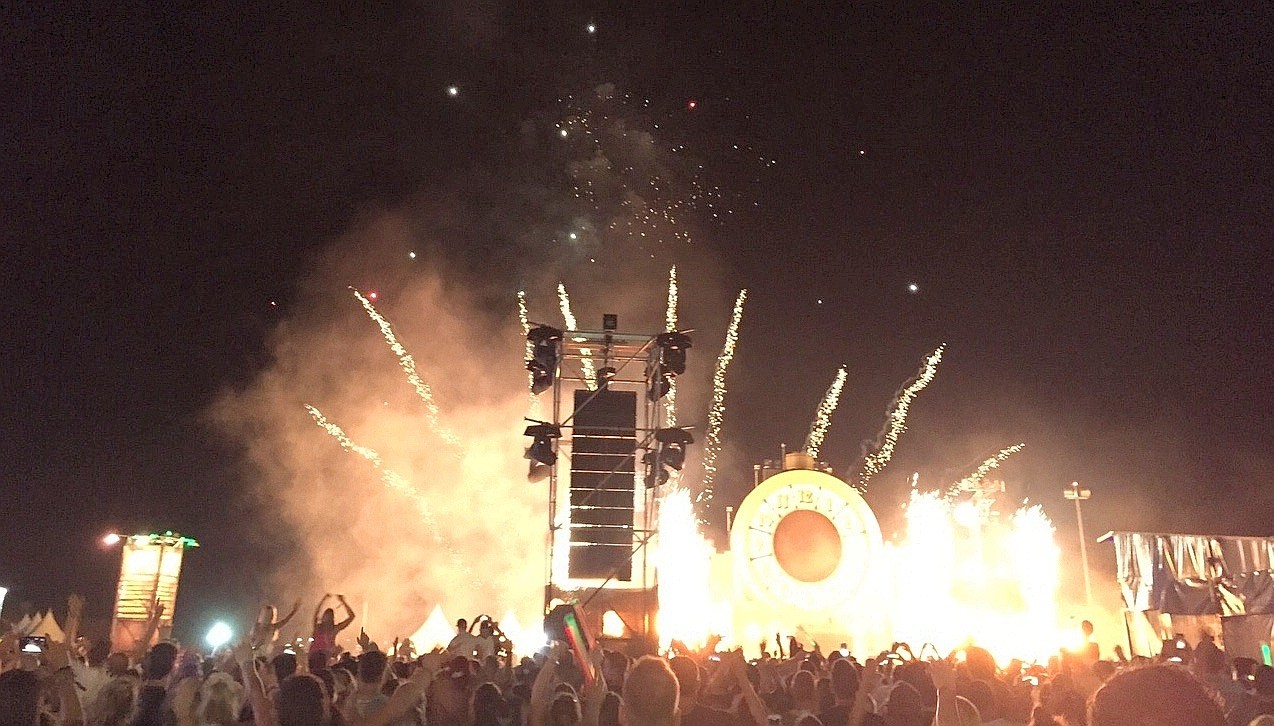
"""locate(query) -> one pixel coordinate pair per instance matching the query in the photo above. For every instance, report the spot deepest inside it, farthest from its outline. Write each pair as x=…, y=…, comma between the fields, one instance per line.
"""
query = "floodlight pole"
x=1074, y=492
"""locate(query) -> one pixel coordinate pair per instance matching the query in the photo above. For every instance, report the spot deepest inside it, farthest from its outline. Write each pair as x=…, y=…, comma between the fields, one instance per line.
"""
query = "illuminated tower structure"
x=150, y=569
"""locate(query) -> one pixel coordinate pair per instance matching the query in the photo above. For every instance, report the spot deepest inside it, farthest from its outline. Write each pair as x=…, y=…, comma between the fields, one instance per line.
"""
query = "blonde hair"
x=650, y=693
x=220, y=700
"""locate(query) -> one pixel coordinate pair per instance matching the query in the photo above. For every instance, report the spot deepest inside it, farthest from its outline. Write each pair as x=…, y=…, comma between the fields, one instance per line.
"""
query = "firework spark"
x=586, y=363
x=670, y=324
x=823, y=417
x=533, y=407
x=391, y=479
x=970, y=482
x=408, y=365
x=896, y=421
x=716, y=413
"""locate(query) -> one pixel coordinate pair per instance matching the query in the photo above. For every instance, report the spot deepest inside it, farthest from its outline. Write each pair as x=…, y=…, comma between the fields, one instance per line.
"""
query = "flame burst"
x=394, y=481
x=823, y=417
x=896, y=422
x=970, y=482
x=687, y=611
x=716, y=413
x=670, y=324
x=965, y=578
x=586, y=364
x=408, y=364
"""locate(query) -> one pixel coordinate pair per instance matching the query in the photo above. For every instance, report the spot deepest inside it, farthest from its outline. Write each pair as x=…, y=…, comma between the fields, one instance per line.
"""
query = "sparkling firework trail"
x=586, y=364
x=970, y=482
x=391, y=479
x=716, y=413
x=408, y=365
x=670, y=324
x=524, y=318
x=823, y=417
x=896, y=422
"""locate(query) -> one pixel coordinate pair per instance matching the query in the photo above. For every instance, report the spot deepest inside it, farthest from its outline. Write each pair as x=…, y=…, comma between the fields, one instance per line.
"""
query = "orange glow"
x=963, y=578
x=612, y=624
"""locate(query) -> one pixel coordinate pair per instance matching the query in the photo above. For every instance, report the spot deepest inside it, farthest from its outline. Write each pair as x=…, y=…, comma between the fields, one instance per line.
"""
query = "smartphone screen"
x=580, y=648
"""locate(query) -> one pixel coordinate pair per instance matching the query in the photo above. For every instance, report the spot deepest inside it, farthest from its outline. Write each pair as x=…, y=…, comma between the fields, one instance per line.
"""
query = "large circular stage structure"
x=806, y=553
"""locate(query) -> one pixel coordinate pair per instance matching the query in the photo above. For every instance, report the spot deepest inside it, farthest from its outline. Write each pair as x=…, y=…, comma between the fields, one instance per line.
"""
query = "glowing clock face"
x=804, y=539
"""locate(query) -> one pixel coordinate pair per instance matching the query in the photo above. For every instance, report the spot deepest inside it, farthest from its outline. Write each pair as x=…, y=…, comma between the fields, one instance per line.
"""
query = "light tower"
x=149, y=571
x=1078, y=494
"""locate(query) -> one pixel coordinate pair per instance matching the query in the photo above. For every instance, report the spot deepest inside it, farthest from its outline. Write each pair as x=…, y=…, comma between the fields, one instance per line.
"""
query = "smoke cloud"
x=580, y=194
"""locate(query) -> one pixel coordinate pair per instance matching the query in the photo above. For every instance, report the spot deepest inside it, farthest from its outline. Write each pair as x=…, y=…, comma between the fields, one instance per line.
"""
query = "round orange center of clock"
x=807, y=546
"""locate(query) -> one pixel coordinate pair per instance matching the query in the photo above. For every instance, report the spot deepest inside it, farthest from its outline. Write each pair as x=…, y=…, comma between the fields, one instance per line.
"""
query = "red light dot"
x=372, y=295
x=692, y=105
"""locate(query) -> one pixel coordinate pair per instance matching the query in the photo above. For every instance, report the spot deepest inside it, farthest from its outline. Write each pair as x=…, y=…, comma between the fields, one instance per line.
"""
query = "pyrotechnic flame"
x=394, y=481
x=823, y=417
x=670, y=324
x=683, y=557
x=408, y=365
x=896, y=421
x=983, y=582
x=586, y=363
x=716, y=412
x=970, y=482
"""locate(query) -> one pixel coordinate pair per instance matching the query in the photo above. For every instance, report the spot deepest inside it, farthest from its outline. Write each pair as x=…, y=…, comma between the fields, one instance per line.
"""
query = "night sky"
x=1082, y=200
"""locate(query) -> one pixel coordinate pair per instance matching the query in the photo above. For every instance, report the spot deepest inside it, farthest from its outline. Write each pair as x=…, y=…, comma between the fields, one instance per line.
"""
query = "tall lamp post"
x=1078, y=494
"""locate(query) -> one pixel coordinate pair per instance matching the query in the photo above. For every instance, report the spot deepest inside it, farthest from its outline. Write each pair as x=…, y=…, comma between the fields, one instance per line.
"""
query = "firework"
x=896, y=420
x=391, y=479
x=533, y=407
x=586, y=363
x=670, y=324
x=823, y=417
x=408, y=365
x=970, y=482
x=716, y=413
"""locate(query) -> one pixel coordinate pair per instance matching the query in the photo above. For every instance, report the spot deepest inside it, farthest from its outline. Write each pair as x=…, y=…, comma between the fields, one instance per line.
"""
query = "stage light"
x=610, y=321
x=544, y=357
x=672, y=446
x=604, y=376
x=672, y=353
x=111, y=539
x=218, y=635
x=542, y=448
x=661, y=384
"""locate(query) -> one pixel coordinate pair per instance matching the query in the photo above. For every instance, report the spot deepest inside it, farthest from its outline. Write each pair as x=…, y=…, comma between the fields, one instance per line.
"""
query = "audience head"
x=650, y=696
x=159, y=661
x=371, y=667
x=220, y=700
x=302, y=701
x=20, y=697
x=284, y=665
x=1157, y=695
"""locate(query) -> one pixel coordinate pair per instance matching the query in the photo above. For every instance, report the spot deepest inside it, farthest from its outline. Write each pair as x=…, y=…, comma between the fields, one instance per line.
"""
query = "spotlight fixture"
x=604, y=376
x=542, y=449
x=544, y=357
x=661, y=383
x=672, y=353
x=610, y=321
x=671, y=456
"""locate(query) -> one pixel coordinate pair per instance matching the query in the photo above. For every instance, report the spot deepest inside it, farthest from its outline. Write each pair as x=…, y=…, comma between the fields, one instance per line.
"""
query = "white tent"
x=47, y=625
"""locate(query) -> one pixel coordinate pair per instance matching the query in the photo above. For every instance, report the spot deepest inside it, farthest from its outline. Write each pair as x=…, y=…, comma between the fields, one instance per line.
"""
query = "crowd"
x=477, y=681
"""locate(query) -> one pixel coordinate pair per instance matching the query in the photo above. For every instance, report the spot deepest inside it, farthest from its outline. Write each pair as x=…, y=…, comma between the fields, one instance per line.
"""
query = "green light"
x=1265, y=653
